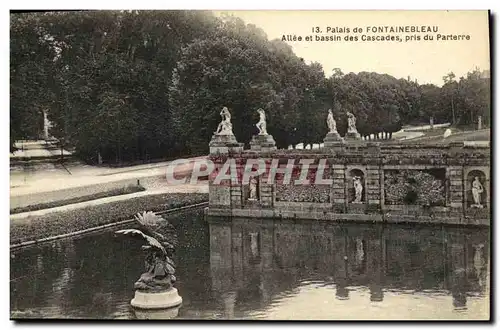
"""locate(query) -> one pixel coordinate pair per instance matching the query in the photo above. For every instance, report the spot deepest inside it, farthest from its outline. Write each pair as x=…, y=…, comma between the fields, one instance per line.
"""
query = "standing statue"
x=358, y=189
x=252, y=189
x=332, y=125
x=351, y=123
x=261, y=125
x=477, y=190
x=160, y=268
x=225, y=127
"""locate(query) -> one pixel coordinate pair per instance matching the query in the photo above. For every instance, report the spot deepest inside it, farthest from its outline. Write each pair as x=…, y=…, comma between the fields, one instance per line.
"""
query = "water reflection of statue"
x=351, y=123
x=261, y=125
x=477, y=190
x=156, y=314
x=160, y=268
x=225, y=127
x=252, y=189
x=229, y=299
x=360, y=250
x=342, y=292
x=332, y=125
x=458, y=289
x=376, y=292
x=358, y=189
x=254, y=244
x=479, y=263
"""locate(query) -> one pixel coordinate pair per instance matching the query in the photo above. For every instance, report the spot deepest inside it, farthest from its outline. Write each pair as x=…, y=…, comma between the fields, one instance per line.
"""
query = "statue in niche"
x=261, y=125
x=225, y=127
x=358, y=189
x=252, y=187
x=351, y=123
x=477, y=190
x=159, y=236
x=332, y=125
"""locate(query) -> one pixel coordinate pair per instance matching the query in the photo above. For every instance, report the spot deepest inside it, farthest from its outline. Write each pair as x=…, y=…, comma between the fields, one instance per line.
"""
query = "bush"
x=412, y=187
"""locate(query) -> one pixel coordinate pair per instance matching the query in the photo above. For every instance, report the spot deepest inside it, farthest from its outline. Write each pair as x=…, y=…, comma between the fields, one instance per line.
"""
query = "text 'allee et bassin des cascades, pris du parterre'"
x=376, y=33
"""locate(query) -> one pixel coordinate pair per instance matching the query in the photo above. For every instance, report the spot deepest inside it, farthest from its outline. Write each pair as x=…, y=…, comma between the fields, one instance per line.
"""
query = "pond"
x=266, y=270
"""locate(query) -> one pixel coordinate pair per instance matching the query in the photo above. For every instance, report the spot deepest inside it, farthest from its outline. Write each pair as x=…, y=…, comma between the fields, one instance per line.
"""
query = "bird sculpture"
x=159, y=238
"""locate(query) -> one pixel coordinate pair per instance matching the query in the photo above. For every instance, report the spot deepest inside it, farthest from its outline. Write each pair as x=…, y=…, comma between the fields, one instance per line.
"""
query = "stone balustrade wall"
x=455, y=164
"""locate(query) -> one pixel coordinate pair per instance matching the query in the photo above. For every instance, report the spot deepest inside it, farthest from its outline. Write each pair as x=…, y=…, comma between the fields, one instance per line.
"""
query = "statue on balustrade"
x=332, y=125
x=261, y=125
x=477, y=190
x=225, y=127
x=351, y=123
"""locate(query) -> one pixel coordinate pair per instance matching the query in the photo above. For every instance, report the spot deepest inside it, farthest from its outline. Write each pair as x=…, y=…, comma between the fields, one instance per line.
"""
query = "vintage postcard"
x=250, y=165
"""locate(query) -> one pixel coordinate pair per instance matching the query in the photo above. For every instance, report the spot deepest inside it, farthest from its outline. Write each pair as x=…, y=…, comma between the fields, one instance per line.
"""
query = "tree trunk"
x=453, y=109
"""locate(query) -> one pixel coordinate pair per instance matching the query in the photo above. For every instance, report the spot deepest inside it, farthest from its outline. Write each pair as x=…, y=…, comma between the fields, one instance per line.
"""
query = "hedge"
x=63, y=222
x=113, y=192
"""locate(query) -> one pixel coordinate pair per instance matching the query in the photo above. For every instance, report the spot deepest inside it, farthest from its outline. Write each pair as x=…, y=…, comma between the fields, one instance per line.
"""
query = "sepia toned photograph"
x=320, y=165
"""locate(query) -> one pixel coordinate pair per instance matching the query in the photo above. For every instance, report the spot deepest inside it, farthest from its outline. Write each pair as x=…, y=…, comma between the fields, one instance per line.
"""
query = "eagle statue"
x=160, y=239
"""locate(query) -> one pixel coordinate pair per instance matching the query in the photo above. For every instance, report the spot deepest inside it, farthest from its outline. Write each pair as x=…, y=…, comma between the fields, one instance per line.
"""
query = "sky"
x=424, y=61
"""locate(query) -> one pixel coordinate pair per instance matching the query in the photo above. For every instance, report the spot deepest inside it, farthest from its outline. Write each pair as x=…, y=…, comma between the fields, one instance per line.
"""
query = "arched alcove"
x=476, y=180
x=356, y=174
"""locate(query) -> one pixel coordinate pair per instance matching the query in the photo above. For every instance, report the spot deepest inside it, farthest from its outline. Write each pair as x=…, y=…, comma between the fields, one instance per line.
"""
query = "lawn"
x=436, y=136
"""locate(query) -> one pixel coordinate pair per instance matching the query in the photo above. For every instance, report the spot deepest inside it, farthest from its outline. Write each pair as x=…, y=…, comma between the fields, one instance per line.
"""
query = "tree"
x=137, y=85
x=449, y=88
x=31, y=68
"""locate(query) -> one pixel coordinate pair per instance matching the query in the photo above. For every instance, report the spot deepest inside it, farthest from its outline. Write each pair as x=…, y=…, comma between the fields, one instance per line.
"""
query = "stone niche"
x=422, y=187
x=482, y=177
x=246, y=193
x=351, y=191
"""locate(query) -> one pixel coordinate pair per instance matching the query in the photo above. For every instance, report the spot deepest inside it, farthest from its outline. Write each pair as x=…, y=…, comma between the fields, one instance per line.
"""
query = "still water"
x=266, y=270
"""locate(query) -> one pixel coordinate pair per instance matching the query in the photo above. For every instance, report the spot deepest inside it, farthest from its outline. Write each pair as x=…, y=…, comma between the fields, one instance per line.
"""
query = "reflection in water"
x=480, y=264
x=348, y=257
x=270, y=269
x=156, y=314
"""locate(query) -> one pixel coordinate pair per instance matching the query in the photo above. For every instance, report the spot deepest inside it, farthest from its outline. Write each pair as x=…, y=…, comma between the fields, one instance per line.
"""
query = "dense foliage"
x=413, y=187
x=141, y=85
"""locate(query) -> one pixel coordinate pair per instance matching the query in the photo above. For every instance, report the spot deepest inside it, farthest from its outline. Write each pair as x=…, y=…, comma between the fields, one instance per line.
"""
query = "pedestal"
x=263, y=143
x=353, y=136
x=156, y=300
x=333, y=139
x=224, y=144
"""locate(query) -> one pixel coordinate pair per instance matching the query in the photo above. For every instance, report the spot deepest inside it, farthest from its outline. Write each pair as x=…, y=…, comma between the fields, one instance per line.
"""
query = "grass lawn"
x=436, y=136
